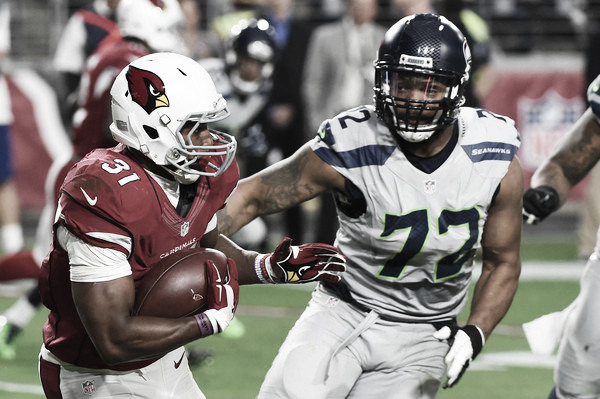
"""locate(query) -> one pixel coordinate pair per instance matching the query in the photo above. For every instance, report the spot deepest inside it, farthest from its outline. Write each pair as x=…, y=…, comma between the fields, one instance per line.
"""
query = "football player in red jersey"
x=123, y=209
x=144, y=28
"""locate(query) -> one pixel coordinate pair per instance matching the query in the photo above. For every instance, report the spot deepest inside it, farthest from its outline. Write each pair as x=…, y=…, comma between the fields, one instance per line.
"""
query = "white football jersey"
x=410, y=236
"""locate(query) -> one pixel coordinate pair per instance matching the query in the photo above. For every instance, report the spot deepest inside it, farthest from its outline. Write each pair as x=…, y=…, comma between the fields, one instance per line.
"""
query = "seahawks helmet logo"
x=147, y=89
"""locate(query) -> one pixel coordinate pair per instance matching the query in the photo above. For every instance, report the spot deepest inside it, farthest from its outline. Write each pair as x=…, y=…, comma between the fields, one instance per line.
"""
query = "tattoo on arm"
x=579, y=158
x=286, y=186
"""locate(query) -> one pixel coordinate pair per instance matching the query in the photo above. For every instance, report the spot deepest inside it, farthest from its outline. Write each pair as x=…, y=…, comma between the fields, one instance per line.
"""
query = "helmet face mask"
x=420, y=76
x=161, y=105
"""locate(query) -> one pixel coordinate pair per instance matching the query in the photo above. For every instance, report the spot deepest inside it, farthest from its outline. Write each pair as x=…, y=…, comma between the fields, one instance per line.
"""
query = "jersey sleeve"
x=90, y=263
x=350, y=141
x=490, y=140
x=92, y=227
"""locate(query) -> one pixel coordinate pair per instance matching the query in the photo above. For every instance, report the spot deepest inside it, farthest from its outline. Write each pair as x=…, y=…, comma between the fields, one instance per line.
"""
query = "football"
x=176, y=285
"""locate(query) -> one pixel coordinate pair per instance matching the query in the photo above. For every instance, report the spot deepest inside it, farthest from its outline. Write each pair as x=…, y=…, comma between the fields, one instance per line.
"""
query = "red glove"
x=300, y=264
x=223, y=295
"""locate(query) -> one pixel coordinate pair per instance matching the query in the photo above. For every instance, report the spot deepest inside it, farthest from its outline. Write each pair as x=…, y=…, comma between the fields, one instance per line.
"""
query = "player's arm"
x=105, y=310
x=568, y=165
x=105, y=305
x=499, y=278
x=501, y=258
x=287, y=183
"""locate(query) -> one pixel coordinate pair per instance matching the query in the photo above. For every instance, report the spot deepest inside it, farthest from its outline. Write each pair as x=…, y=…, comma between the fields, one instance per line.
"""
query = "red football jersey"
x=91, y=120
x=107, y=192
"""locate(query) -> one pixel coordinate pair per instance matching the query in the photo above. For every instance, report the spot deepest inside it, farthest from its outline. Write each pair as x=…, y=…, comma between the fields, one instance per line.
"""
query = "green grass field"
x=237, y=367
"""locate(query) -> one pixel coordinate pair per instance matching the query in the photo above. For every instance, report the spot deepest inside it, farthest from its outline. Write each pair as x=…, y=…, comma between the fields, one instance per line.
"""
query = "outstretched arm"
x=282, y=185
x=569, y=164
x=573, y=159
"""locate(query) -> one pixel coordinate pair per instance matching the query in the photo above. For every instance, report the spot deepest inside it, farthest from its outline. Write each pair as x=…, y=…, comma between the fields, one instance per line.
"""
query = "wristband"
x=260, y=267
x=204, y=324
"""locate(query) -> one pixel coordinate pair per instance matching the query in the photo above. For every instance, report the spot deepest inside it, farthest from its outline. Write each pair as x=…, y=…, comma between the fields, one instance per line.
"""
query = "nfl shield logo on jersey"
x=429, y=186
x=88, y=387
x=185, y=228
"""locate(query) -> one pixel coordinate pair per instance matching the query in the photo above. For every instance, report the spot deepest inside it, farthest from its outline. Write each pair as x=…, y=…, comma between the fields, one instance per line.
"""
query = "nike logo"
x=177, y=364
x=220, y=287
x=89, y=199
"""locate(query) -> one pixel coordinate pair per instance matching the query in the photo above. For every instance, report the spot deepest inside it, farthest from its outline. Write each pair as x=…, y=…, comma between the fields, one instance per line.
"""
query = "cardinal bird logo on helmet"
x=147, y=89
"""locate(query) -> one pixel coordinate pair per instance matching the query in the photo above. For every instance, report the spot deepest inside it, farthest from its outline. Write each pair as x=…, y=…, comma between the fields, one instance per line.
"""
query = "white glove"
x=465, y=344
x=223, y=294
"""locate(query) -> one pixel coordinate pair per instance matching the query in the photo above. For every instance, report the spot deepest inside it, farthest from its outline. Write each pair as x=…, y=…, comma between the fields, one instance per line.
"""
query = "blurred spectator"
x=11, y=231
x=350, y=43
x=477, y=33
x=409, y=7
x=83, y=33
x=285, y=128
x=240, y=10
x=200, y=43
x=145, y=28
x=244, y=77
x=393, y=10
x=339, y=75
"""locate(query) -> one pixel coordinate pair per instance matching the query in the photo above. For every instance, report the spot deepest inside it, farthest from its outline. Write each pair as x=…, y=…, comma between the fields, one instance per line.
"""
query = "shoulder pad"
x=109, y=183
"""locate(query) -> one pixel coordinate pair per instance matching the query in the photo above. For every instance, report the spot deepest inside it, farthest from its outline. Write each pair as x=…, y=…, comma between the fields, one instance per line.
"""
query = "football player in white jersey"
x=577, y=373
x=421, y=184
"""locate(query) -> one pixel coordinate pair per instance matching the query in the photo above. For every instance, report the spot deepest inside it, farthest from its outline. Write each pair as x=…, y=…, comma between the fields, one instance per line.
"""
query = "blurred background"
x=533, y=64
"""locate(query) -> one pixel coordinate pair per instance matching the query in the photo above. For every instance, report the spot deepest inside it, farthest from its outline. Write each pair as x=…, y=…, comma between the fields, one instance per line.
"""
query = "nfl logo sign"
x=88, y=387
x=543, y=122
x=429, y=186
x=185, y=228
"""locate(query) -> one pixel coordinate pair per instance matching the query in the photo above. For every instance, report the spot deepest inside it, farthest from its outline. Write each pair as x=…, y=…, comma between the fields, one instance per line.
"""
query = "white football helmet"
x=157, y=22
x=153, y=98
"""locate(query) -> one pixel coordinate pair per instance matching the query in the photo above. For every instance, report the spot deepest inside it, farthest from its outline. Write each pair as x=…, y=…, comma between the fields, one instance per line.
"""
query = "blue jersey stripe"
x=362, y=156
x=490, y=151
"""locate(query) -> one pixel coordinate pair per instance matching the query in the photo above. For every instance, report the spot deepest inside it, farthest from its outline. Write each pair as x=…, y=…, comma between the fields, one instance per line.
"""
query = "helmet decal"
x=147, y=89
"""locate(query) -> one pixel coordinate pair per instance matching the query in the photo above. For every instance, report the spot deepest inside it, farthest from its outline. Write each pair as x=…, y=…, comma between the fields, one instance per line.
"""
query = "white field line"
x=21, y=388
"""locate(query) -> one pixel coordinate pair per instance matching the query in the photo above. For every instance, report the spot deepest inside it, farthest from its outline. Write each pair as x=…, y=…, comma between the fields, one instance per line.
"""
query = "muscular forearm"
x=551, y=174
x=145, y=337
x=234, y=216
x=573, y=159
x=105, y=310
x=493, y=295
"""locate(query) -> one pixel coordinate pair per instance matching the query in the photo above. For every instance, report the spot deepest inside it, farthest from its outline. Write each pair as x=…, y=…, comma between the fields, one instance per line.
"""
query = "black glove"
x=465, y=344
x=538, y=203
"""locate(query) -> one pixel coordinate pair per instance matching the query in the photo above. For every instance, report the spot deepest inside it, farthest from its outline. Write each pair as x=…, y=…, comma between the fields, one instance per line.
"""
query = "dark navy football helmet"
x=250, y=54
x=421, y=71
